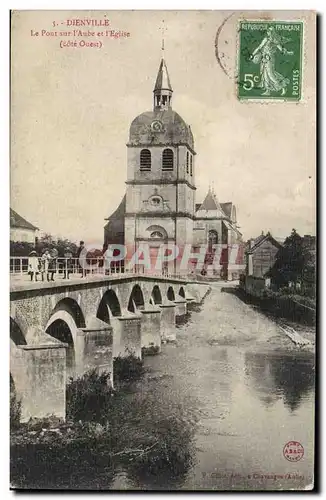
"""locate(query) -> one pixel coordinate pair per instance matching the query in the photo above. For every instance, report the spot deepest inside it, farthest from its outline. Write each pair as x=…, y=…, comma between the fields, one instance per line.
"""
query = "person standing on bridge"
x=68, y=267
x=53, y=262
x=33, y=265
x=45, y=259
x=81, y=249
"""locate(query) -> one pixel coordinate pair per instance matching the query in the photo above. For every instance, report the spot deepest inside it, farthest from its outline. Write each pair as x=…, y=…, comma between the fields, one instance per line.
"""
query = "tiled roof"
x=120, y=211
x=17, y=220
x=114, y=228
x=227, y=208
x=209, y=202
x=255, y=243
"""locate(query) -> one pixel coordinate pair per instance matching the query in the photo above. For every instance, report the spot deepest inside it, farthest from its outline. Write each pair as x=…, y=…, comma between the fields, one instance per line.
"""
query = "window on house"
x=145, y=159
x=191, y=164
x=167, y=159
x=187, y=162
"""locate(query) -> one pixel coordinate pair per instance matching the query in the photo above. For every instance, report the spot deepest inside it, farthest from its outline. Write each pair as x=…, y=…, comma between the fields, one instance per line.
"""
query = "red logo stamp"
x=293, y=451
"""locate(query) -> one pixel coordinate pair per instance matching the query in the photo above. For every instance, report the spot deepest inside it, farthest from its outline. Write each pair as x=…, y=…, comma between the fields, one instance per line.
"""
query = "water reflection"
x=276, y=376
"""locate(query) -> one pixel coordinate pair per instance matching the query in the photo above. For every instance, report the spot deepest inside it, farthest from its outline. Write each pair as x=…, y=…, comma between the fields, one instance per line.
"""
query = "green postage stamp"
x=270, y=60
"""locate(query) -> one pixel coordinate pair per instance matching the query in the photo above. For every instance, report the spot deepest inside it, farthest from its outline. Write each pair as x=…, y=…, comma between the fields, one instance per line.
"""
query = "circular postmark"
x=293, y=451
x=221, y=55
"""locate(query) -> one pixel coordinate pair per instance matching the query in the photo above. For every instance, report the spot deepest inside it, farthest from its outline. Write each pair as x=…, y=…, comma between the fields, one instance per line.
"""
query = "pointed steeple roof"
x=163, y=79
x=210, y=207
x=210, y=202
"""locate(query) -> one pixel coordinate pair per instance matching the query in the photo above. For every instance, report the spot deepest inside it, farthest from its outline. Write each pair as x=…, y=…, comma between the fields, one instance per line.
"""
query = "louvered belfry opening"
x=145, y=160
x=167, y=159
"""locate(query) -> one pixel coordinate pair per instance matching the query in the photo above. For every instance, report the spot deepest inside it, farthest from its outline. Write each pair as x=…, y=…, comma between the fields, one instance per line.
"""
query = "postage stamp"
x=270, y=60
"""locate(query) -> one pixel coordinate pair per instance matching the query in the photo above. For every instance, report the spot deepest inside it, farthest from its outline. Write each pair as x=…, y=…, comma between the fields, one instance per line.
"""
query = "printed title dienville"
x=87, y=22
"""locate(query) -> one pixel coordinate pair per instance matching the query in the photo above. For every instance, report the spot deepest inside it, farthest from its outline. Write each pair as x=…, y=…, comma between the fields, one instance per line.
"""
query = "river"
x=213, y=410
x=232, y=391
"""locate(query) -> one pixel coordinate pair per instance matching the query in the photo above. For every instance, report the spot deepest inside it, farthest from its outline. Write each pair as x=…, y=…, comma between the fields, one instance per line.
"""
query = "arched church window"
x=212, y=239
x=187, y=162
x=157, y=234
x=167, y=159
x=191, y=164
x=145, y=159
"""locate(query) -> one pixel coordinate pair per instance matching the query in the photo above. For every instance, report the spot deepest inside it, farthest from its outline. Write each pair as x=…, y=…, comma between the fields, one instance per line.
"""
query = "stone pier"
x=168, y=330
x=180, y=307
x=127, y=335
x=39, y=376
x=94, y=349
x=151, y=328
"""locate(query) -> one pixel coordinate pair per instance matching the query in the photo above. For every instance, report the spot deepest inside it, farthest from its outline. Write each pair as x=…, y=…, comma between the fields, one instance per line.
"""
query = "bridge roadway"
x=64, y=328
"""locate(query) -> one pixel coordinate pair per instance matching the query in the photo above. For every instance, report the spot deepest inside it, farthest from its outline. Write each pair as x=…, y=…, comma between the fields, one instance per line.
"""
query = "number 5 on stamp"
x=270, y=60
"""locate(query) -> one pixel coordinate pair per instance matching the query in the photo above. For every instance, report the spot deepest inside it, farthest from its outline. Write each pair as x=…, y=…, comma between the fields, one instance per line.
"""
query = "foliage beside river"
x=282, y=304
x=109, y=435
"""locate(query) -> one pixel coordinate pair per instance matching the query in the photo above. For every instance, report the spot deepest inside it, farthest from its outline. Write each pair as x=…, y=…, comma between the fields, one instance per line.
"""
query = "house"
x=261, y=255
x=21, y=229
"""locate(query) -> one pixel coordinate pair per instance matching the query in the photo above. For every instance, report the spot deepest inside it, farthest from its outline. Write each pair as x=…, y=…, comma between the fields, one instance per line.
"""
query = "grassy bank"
x=291, y=307
x=105, y=432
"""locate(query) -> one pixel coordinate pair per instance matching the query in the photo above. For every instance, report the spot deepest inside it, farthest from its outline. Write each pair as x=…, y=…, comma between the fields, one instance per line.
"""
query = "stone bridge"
x=63, y=329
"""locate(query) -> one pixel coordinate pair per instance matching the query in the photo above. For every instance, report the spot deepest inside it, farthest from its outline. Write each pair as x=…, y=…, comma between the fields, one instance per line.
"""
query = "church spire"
x=162, y=89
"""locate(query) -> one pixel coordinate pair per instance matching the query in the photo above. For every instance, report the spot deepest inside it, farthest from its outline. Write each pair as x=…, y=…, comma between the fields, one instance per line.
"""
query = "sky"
x=71, y=110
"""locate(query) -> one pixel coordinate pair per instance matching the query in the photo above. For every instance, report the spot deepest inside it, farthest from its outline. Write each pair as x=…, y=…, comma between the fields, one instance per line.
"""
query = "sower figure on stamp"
x=265, y=55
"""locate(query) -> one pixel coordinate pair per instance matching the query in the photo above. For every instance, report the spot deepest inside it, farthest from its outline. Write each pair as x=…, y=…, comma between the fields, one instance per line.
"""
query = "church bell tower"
x=160, y=195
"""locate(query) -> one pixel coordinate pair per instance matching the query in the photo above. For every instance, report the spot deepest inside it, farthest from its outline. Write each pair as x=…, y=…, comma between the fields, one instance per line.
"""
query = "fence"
x=64, y=267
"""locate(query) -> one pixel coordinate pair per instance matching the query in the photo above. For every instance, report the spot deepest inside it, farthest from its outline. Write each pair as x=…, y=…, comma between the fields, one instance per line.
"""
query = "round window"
x=155, y=200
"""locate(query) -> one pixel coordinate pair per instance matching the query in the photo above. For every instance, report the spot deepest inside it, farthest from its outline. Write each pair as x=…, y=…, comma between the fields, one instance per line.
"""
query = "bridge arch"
x=156, y=295
x=136, y=299
x=182, y=292
x=61, y=326
x=170, y=293
x=108, y=306
x=72, y=307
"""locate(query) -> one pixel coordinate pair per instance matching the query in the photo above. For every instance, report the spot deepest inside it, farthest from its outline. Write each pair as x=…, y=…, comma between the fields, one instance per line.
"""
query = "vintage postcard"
x=163, y=250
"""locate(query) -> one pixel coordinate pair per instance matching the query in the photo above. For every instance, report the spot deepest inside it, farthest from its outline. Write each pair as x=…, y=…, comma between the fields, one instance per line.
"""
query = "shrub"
x=151, y=350
x=126, y=368
x=88, y=398
x=15, y=410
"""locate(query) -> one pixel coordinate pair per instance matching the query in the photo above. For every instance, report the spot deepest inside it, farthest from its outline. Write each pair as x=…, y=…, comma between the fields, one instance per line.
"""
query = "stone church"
x=159, y=205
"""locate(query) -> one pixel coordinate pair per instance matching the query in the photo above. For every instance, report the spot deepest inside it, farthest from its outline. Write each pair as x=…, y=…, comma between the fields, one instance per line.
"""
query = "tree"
x=23, y=249
x=291, y=261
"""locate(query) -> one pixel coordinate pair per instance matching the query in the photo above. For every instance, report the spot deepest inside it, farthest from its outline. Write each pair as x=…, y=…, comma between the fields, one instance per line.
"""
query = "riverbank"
x=295, y=308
